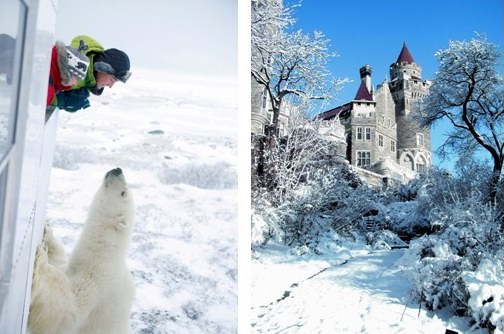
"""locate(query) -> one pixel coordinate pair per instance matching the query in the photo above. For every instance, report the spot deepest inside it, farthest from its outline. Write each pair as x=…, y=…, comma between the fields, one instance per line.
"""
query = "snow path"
x=366, y=294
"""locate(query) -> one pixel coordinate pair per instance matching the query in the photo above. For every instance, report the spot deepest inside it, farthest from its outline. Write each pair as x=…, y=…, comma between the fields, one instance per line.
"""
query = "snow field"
x=175, y=139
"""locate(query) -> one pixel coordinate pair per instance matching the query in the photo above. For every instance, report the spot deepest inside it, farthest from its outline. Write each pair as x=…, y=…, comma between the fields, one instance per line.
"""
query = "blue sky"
x=372, y=32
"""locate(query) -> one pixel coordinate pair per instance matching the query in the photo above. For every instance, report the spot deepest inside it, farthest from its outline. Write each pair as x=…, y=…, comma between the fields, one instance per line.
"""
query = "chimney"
x=365, y=74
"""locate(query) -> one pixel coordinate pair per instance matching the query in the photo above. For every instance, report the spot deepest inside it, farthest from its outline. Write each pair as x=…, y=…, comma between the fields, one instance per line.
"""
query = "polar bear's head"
x=113, y=203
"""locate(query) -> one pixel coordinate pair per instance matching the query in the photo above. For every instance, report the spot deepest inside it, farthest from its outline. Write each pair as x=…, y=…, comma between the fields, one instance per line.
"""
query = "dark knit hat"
x=77, y=63
x=115, y=62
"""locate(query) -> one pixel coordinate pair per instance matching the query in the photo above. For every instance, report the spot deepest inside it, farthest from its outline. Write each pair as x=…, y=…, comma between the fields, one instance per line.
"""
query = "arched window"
x=421, y=163
x=407, y=161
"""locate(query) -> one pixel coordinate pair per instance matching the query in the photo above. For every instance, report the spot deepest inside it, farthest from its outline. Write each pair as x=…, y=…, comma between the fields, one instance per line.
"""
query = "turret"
x=405, y=66
x=365, y=75
x=406, y=86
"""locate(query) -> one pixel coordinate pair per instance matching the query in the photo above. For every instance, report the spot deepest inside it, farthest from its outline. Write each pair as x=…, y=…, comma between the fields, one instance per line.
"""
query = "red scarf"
x=55, y=84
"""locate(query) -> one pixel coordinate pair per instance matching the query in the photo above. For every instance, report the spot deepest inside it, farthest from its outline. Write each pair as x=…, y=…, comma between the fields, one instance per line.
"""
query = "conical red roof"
x=363, y=93
x=405, y=56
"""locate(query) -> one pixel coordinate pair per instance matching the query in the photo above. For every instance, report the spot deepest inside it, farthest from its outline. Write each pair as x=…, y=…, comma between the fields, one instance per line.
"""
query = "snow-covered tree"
x=300, y=170
x=288, y=63
x=299, y=157
x=469, y=92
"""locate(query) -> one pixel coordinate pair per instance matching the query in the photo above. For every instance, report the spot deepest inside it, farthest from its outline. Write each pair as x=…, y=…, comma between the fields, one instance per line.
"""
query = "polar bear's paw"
x=52, y=306
x=41, y=262
x=55, y=249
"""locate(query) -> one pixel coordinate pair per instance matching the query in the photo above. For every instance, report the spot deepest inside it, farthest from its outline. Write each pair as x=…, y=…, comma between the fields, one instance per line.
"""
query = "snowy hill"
x=175, y=139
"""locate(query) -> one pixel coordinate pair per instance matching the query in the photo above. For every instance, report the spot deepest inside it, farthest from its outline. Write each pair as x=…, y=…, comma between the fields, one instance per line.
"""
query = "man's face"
x=105, y=80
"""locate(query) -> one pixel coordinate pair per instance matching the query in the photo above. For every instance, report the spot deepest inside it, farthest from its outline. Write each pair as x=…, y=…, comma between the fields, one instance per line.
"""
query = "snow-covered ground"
x=175, y=139
x=351, y=290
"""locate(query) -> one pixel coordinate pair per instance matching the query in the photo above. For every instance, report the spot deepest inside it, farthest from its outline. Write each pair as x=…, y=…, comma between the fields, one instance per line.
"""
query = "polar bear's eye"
x=123, y=194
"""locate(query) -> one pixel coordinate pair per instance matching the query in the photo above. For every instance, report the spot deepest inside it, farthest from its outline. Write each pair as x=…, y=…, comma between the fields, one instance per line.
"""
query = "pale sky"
x=197, y=37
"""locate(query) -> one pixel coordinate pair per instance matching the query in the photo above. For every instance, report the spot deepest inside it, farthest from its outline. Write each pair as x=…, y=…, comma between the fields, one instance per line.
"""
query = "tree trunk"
x=258, y=160
x=494, y=182
x=274, y=129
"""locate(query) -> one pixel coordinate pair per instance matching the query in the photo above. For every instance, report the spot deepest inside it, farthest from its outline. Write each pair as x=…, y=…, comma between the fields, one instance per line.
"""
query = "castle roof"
x=405, y=56
x=363, y=93
x=335, y=112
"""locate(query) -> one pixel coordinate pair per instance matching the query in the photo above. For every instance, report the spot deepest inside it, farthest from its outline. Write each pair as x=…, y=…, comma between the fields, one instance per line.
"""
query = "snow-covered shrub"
x=266, y=221
x=486, y=289
x=469, y=232
x=383, y=239
x=406, y=192
x=404, y=219
x=296, y=180
x=299, y=217
x=436, y=273
x=359, y=208
x=442, y=190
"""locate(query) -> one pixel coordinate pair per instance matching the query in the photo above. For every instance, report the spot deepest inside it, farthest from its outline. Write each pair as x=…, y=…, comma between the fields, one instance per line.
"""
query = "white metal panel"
x=35, y=147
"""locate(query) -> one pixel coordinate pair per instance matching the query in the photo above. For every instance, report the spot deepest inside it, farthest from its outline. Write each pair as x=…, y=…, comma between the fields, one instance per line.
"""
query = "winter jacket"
x=58, y=74
x=90, y=48
x=77, y=97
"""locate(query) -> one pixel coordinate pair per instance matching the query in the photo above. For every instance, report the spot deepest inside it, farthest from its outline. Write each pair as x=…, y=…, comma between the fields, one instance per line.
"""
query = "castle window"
x=380, y=140
x=392, y=145
x=420, y=139
x=363, y=158
x=389, y=122
x=368, y=133
x=359, y=133
x=420, y=167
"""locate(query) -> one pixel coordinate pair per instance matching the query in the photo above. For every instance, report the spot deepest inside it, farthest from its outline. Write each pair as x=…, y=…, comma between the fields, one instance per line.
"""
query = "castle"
x=377, y=130
x=381, y=133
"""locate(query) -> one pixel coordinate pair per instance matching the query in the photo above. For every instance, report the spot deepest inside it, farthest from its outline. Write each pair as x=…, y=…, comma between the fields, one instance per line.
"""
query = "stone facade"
x=260, y=117
x=262, y=112
x=381, y=132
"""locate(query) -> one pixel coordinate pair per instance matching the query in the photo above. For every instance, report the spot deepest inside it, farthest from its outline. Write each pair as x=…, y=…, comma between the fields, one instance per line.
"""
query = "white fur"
x=96, y=292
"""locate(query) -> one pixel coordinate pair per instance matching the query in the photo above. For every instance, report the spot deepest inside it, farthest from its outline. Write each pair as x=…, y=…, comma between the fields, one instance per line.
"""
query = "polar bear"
x=95, y=292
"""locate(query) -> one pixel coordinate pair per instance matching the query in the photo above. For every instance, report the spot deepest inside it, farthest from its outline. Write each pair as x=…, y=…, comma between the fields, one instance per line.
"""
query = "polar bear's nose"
x=117, y=171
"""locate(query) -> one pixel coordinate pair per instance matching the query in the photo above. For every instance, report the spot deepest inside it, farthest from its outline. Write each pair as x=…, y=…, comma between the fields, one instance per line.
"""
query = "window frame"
x=359, y=133
x=420, y=139
x=363, y=158
x=367, y=133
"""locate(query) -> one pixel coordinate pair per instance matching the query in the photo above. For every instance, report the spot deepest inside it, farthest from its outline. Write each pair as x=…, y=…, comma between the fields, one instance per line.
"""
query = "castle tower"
x=407, y=86
x=362, y=123
x=365, y=75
